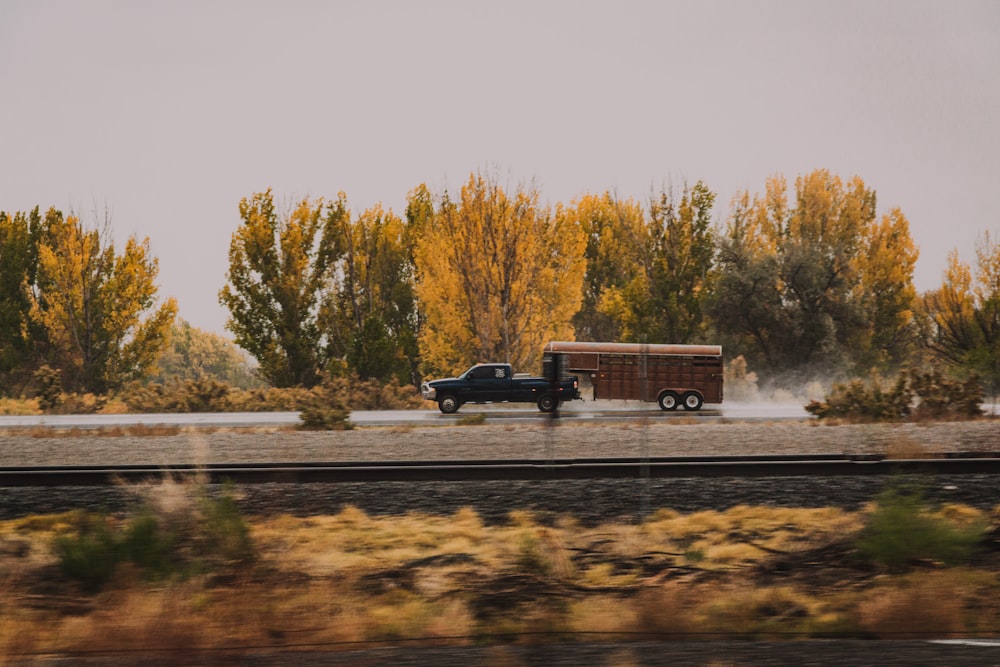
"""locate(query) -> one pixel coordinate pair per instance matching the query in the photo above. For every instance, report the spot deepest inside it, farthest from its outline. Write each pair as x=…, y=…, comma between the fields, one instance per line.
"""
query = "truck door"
x=490, y=383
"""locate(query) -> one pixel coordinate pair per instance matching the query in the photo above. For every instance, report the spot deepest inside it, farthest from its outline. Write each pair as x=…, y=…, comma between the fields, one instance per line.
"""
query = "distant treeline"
x=810, y=282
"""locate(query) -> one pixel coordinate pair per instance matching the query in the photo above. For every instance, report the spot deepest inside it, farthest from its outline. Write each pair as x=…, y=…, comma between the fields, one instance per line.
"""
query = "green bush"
x=49, y=387
x=914, y=394
x=530, y=559
x=225, y=535
x=148, y=544
x=902, y=530
x=160, y=545
x=939, y=396
x=325, y=418
x=91, y=555
x=871, y=402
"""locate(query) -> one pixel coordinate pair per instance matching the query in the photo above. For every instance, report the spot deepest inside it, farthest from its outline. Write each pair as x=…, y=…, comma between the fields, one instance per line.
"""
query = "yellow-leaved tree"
x=498, y=276
x=886, y=334
x=962, y=318
x=817, y=282
x=98, y=308
x=616, y=254
x=669, y=277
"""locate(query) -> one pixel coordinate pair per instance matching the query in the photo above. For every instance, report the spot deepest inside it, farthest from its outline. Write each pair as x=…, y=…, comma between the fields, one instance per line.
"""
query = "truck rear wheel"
x=692, y=401
x=548, y=403
x=668, y=400
x=448, y=404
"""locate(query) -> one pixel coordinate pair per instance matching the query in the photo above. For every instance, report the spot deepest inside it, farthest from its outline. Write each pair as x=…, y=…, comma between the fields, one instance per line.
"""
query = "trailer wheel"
x=548, y=403
x=448, y=404
x=668, y=400
x=692, y=401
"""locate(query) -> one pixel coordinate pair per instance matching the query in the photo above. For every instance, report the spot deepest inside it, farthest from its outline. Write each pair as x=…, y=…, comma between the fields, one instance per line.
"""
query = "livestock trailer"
x=670, y=375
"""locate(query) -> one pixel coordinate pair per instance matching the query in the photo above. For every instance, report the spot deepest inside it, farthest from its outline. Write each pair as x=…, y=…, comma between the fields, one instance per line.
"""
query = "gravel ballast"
x=562, y=441
x=590, y=501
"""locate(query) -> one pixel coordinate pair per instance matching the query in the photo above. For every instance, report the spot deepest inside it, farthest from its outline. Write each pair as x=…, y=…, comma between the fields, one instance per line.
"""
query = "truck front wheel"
x=548, y=403
x=448, y=404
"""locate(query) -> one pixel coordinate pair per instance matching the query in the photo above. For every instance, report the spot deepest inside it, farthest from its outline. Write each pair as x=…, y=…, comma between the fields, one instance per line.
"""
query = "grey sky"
x=168, y=113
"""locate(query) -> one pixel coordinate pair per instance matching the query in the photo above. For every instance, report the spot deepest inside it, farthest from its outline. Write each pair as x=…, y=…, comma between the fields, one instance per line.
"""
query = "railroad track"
x=807, y=465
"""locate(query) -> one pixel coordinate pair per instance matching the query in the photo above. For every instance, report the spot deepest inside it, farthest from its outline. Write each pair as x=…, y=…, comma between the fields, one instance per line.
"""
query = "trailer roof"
x=634, y=348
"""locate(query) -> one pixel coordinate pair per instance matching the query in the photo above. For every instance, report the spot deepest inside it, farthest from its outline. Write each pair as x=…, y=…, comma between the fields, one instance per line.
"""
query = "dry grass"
x=348, y=578
x=142, y=430
x=19, y=406
x=903, y=447
x=916, y=606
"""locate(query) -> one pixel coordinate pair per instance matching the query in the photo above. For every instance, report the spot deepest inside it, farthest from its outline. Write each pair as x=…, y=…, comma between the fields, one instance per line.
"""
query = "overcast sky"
x=166, y=114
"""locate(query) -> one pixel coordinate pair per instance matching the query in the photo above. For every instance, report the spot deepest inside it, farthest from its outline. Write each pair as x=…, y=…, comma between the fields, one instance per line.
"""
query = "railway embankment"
x=649, y=437
x=590, y=501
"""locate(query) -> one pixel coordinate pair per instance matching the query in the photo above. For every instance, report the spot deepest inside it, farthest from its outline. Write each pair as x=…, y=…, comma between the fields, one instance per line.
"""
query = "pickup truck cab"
x=496, y=383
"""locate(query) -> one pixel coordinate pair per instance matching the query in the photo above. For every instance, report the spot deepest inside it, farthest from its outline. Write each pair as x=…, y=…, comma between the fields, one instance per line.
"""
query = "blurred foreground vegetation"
x=185, y=570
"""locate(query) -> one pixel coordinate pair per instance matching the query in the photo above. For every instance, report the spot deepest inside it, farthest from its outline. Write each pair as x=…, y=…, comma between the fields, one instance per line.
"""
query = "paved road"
x=597, y=412
x=579, y=410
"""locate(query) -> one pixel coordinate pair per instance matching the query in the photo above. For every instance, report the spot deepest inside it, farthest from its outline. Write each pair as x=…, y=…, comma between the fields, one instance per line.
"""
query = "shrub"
x=19, y=406
x=927, y=605
x=49, y=391
x=530, y=558
x=207, y=395
x=160, y=541
x=858, y=400
x=325, y=418
x=923, y=395
x=902, y=529
x=471, y=419
x=91, y=556
x=148, y=544
x=940, y=397
x=224, y=533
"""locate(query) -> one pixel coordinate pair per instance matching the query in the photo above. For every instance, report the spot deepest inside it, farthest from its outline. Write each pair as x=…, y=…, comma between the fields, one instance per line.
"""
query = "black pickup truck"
x=496, y=383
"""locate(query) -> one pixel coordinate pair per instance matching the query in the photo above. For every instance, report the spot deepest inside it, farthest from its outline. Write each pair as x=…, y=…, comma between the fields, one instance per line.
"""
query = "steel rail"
x=522, y=469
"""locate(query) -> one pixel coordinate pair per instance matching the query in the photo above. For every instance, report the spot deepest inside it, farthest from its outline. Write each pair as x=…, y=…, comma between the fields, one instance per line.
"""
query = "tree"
x=20, y=234
x=97, y=308
x=279, y=270
x=986, y=359
x=196, y=354
x=682, y=274
x=746, y=305
x=497, y=277
x=673, y=250
x=613, y=230
x=885, y=293
x=372, y=311
x=817, y=285
x=962, y=318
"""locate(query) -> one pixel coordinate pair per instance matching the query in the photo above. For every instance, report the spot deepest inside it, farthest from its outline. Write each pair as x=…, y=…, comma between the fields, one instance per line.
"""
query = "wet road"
x=597, y=412
x=588, y=411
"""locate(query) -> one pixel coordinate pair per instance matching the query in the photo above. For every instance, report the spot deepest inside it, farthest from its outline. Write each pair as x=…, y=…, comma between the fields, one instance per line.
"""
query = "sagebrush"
x=914, y=394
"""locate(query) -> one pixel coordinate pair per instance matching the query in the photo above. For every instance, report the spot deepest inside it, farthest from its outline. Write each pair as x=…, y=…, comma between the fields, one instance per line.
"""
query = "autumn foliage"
x=817, y=282
x=75, y=304
x=807, y=279
x=498, y=276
